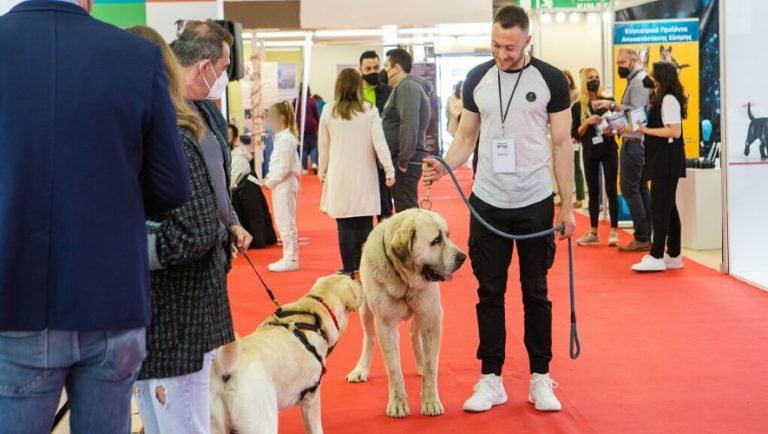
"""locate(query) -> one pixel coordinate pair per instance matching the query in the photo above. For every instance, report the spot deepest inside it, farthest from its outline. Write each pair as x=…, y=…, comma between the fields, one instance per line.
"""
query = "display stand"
x=699, y=201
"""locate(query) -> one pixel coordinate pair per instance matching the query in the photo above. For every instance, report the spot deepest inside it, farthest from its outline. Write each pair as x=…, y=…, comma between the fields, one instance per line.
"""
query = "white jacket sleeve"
x=280, y=167
x=381, y=147
x=323, y=146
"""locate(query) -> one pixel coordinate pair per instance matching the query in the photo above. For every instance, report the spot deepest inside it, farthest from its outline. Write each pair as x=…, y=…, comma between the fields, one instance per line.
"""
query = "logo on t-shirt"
x=530, y=96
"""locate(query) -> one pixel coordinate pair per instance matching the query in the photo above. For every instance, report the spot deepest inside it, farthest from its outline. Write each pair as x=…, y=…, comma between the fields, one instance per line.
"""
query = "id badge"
x=504, y=156
x=598, y=139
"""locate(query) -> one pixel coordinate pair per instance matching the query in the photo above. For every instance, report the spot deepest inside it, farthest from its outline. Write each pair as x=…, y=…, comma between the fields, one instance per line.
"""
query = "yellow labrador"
x=403, y=260
x=281, y=363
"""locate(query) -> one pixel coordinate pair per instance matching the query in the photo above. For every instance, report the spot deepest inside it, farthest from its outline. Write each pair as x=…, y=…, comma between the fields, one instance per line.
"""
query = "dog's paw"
x=357, y=376
x=398, y=407
x=432, y=407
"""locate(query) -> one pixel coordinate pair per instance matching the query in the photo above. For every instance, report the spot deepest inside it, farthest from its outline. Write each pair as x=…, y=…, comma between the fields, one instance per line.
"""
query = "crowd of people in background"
x=653, y=151
x=176, y=201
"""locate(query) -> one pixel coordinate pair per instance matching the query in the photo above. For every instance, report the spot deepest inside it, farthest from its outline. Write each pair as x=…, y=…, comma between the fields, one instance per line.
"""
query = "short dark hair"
x=512, y=16
x=370, y=54
x=201, y=40
x=398, y=56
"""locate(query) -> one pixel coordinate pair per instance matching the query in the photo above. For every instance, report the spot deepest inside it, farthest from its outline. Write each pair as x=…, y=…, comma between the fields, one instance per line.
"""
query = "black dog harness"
x=299, y=329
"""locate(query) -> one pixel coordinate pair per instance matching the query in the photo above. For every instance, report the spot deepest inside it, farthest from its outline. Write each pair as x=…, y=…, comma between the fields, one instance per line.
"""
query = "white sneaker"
x=613, y=239
x=675, y=263
x=541, y=393
x=283, y=265
x=649, y=264
x=489, y=391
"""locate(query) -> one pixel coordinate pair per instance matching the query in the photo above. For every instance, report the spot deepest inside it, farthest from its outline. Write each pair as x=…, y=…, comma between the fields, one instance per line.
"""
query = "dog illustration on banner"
x=758, y=130
x=666, y=56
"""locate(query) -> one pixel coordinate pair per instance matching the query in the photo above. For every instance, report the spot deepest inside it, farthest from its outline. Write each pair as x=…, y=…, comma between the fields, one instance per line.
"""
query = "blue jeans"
x=179, y=404
x=96, y=368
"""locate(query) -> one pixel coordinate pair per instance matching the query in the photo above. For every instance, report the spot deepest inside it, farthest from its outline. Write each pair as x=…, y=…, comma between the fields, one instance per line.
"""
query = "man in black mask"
x=632, y=178
x=376, y=91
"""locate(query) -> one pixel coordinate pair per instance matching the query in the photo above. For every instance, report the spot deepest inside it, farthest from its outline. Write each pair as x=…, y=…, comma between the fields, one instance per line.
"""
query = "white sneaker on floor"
x=588, y=239
x=489, y=391
x=649, y=264
x=541, y=393
x=673, y=263
x=613, y=239
x=283, y=265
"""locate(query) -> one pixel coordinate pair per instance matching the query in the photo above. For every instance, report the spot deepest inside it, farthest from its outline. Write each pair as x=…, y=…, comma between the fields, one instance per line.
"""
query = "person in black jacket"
x=190, y=306
x=599, y=148
x=377, y=92
x=665, y=165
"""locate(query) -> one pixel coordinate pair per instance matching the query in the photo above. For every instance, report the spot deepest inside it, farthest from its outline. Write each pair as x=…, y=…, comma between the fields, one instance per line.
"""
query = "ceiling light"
x=546, y=18
x=279, y=35
x=607, y=16
x=348, y=33
x=560, y=17
x=299, y=43
x=574, y=17
x=591, y=17
x=246, y=35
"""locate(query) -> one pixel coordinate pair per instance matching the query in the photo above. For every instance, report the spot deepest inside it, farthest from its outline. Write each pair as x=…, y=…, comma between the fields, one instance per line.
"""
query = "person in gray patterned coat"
x=190, y=306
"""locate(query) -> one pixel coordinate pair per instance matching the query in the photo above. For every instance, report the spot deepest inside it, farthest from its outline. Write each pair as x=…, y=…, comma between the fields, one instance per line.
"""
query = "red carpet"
x=679, y=352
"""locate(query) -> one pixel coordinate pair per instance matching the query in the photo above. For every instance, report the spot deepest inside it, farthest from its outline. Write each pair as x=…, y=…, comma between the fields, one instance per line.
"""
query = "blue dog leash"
x=574, y=346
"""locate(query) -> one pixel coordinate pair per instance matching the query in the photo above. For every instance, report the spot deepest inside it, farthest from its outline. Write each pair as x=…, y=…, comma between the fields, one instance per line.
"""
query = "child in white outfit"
x=283, y=180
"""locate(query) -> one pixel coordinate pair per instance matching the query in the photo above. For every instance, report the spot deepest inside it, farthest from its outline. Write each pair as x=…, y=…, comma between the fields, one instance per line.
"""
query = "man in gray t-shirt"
x=509, y=103
x=633, y=181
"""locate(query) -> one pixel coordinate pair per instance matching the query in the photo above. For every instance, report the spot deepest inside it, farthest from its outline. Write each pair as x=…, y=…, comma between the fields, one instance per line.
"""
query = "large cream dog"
x=281, y=363
x=403, y=259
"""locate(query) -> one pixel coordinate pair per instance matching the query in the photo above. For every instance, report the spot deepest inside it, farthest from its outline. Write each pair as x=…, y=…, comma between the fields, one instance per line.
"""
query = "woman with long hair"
x=190, y=306
x=664, y=165
x=351, y=140
x=599, y=148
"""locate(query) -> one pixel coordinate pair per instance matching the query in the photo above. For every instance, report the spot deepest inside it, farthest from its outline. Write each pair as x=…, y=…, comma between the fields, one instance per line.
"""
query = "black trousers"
x=405, y=192
x=385, y=195
x=665, y=218
x=491, y=256
x=610, y=164
x=353, y=232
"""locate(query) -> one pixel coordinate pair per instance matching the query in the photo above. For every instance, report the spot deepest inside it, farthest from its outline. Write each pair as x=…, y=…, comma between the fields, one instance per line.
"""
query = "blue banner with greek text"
x=660, y=32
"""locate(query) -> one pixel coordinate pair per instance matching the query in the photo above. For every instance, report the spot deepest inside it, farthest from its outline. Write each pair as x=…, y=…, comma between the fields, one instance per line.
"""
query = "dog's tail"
x=749, y=111
x=227, y=357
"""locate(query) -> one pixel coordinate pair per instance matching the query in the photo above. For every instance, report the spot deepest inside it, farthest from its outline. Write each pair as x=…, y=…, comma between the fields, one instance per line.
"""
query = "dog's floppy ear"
x=402, y=241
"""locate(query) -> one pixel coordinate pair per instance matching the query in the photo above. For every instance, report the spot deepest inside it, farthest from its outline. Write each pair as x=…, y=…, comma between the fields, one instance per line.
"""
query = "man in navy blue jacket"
x=88, y=146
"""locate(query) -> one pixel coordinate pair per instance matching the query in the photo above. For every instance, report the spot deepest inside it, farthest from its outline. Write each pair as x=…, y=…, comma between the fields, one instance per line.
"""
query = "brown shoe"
x=636, y=246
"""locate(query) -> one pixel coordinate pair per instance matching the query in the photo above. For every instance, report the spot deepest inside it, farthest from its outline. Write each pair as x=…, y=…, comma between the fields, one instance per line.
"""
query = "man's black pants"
x=491, y=256
x=353, y=232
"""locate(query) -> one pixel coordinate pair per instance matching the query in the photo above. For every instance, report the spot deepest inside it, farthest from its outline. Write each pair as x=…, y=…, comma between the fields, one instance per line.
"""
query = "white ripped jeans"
x=178, y=404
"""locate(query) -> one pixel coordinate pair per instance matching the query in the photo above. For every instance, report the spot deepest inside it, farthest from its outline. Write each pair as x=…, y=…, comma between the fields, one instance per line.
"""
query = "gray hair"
x=201, y=40
x=631, y=52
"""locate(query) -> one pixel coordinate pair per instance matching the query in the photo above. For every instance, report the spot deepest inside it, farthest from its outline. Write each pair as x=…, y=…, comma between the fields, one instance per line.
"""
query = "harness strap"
x=327, y=308
x=298, y=330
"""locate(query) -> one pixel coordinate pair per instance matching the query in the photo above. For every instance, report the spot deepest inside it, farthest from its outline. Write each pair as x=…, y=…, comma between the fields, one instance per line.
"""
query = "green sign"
x=569, y=4
x=121, y=13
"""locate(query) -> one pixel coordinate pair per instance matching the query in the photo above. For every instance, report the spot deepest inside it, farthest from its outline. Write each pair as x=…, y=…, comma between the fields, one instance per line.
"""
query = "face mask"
x=372, y=78
x=384, y=77
x=217, y=89
x=593, y=85
x=647, y=82
x=624, y=71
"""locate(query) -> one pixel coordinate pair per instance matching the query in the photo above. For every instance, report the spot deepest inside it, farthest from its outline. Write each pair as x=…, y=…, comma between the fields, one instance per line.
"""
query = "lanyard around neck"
x=503, y=112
